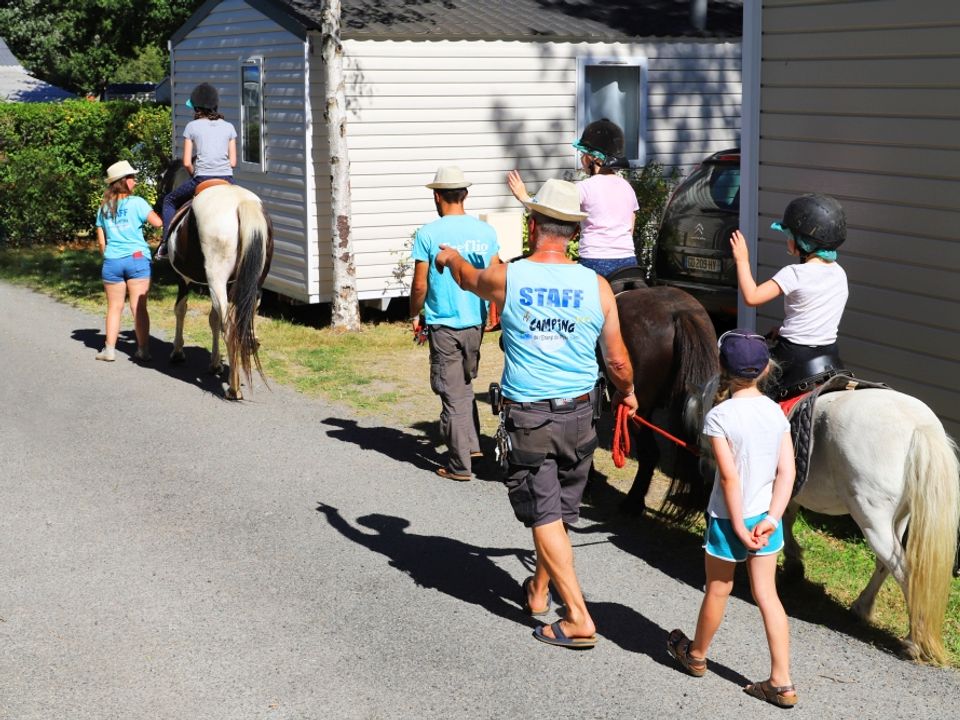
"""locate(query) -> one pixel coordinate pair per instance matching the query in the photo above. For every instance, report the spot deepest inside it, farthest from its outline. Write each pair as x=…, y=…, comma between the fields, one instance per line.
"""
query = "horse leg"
x=180, y=312
x=648, y=455
x=216, y=363
x=792, y=552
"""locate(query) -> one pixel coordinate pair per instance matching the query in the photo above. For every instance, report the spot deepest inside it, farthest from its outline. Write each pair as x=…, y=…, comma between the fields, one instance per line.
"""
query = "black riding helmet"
x=603, y=139
x=818, y=218
x=204, y=97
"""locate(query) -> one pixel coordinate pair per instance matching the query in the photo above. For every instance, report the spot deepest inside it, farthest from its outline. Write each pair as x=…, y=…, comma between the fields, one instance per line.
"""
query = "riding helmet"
x=819, y=218
x=603, y=139
x=205, y=97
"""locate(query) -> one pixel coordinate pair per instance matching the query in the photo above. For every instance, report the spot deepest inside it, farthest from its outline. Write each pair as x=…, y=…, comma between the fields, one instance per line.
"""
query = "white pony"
x=884, y=458
x=225, y=242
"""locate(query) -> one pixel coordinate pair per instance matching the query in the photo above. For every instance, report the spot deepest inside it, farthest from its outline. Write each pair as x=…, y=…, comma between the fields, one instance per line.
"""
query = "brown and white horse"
x=224, y=241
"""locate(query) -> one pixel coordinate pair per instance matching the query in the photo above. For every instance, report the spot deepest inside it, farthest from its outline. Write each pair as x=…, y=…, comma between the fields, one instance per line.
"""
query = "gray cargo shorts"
x=549, y=460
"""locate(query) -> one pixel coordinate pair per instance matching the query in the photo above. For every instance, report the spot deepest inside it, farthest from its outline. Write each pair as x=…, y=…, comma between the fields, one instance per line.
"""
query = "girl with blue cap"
x=750, y=439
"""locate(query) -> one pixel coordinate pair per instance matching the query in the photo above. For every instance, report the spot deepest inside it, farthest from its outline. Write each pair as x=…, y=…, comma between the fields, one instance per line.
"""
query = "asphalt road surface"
x=169, y=554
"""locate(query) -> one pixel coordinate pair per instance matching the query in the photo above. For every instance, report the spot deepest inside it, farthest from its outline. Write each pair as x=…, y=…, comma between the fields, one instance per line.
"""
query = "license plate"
x=704, y=264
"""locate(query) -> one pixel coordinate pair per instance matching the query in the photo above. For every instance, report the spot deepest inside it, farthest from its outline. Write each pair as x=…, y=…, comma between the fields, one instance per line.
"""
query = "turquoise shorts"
x=131, y=267
x=722, y=542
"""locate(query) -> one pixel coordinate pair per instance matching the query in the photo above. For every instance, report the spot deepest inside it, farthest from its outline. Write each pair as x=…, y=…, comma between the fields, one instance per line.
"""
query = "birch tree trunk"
x=345, y=310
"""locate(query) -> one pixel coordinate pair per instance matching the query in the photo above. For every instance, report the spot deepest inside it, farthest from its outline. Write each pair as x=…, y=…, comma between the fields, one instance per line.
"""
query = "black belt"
x=554, y=403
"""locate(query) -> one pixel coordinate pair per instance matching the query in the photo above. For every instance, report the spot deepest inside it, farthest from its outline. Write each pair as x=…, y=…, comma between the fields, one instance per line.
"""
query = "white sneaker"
x=108, y=354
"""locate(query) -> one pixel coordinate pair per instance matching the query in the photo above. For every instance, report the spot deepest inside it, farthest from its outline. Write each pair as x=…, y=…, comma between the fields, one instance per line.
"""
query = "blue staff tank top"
x=551, y=321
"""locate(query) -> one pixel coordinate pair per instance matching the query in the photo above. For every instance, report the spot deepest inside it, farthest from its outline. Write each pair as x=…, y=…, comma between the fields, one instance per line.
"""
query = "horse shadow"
x=193, y=371
x=418, y=450
x=677, y=552
x=458, y=569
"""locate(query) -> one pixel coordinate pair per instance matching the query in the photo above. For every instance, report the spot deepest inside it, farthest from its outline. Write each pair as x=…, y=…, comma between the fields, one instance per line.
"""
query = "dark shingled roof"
x=590, y=20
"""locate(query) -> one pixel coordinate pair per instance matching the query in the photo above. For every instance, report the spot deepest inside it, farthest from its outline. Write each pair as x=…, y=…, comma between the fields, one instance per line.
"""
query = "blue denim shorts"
x=131, y=267
x=608, y=266
x=722, y=542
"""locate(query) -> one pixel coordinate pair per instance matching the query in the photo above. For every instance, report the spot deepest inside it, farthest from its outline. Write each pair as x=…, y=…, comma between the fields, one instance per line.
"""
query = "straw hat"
x=119, y=170
x=558, y=199
x=449, y=178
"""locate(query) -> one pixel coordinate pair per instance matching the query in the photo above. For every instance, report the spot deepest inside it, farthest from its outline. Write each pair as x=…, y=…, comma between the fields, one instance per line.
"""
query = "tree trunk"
x=345, y=311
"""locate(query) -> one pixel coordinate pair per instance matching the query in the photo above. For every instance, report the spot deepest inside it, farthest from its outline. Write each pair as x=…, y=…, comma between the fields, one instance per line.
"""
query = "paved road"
x=167, y=554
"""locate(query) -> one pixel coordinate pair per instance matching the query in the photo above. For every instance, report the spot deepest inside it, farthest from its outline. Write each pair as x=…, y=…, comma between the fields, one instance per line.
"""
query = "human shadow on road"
x=677, y=553
x=195, y=370
x=635, y=633
x=460, y=570
x=396, y=444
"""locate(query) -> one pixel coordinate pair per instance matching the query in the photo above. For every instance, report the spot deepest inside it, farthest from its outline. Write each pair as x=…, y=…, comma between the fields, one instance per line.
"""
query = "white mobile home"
x=485, y=84
x=859, y=100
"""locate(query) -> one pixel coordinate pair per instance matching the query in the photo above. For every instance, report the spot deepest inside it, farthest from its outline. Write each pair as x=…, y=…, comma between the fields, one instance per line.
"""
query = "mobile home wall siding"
x=490, y=107
x=212, y=52
x=860, y=100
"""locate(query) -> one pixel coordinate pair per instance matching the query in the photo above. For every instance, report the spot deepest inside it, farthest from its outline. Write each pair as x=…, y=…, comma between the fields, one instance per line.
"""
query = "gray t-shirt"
x=211, y=141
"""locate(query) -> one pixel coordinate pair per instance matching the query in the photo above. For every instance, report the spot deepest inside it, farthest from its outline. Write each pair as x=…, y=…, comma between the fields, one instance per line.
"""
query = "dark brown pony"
x=673, y=348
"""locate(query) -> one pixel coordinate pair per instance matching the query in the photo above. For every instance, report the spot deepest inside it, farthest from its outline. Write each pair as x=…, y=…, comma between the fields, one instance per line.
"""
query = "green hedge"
x=53, y=157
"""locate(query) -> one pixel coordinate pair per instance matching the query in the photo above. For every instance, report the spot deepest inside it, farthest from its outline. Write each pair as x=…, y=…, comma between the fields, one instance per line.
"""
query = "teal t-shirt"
x=476, y=241
x=124, y=232
x=551, y=321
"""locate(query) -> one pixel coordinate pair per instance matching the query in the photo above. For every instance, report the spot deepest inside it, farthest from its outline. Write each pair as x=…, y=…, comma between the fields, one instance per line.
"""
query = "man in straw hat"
x=453, y=318
x=553, y=312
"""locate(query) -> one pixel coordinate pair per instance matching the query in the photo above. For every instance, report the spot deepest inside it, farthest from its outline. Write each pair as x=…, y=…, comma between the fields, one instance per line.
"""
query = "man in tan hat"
x=454, y=319
x=553, y=312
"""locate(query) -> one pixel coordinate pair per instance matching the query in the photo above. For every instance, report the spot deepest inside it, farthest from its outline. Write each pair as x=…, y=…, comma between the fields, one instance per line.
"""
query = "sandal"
x=773, y=694
x=678, y=645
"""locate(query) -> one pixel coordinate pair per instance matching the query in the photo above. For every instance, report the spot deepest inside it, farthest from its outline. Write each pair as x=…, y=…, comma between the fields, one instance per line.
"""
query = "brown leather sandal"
x=678, y=645
x=773, y=694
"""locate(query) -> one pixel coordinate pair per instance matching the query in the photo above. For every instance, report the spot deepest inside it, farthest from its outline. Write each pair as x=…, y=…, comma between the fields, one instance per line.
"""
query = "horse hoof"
x=216, y=369
x=234, y=394
x=177, y=357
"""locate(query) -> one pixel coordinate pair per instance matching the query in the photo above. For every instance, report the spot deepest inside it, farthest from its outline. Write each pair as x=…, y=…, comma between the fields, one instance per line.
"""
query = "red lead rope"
x=621, y=436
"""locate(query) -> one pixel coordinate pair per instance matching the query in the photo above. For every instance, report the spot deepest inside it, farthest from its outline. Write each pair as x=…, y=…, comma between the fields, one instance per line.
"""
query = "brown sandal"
x=678, y=645
x=772, y=693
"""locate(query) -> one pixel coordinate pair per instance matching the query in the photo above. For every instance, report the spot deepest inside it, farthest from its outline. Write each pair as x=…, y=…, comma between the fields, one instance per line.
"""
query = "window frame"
x=637, y=61
x=256, y=62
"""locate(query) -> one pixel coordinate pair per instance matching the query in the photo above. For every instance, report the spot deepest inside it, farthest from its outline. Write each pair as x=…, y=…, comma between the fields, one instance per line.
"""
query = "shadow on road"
x=193, y=371
x=460, y=570
x=677, y=553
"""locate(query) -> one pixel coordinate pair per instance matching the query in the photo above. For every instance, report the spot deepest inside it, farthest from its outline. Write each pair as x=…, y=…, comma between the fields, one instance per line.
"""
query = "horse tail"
x=932, y=498
x=695, y=344
x=695, y=352
x=242, y=345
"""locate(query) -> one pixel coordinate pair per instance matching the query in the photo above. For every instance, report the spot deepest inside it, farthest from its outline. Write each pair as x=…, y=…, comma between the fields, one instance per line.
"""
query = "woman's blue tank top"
x=551, y=321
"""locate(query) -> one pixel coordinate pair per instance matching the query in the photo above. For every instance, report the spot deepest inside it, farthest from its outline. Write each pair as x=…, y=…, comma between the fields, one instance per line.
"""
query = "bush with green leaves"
x=53, y=157
x=653, y=186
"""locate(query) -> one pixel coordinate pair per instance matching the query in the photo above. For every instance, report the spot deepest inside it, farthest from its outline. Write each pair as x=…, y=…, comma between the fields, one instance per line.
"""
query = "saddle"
x=185, y=208
x=801, y=377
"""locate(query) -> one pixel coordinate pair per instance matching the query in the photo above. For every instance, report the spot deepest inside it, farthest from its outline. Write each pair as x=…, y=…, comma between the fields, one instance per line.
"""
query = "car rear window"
x=710, y=188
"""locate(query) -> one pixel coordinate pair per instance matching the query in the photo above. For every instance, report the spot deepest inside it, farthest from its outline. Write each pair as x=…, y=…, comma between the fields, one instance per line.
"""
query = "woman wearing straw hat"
x=126, y=257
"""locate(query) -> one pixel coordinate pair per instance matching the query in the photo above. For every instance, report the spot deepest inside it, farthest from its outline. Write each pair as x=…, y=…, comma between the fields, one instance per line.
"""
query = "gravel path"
x=167, y=554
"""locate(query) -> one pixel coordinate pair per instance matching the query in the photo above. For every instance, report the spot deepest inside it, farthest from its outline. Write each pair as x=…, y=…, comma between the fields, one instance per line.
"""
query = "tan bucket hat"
x=449, y=178
x=119, y=170
x=558, y=199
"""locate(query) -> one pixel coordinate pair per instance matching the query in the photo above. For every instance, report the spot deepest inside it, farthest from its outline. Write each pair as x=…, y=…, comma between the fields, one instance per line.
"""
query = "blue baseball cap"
x=743, y=353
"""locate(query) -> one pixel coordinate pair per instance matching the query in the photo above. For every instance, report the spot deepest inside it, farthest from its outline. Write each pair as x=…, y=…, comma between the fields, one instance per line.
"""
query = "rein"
x=621, y=436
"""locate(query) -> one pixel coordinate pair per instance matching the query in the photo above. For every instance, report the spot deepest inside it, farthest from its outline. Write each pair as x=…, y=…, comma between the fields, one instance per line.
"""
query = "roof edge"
x=281, y=14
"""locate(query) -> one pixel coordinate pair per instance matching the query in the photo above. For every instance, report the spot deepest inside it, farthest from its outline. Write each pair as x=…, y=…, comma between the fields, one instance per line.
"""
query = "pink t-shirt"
x=610, y=204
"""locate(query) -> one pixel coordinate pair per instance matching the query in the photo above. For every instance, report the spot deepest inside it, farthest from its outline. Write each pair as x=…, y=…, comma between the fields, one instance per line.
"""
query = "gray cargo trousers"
x=454, y=359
